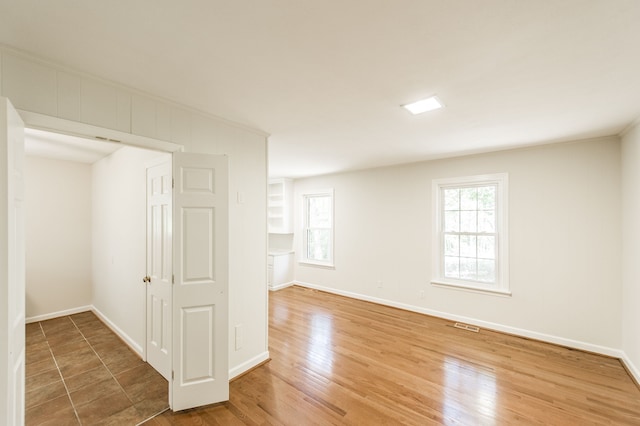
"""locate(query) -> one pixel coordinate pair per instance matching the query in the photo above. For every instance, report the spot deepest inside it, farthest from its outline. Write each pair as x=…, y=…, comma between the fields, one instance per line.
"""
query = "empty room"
x=320, y=212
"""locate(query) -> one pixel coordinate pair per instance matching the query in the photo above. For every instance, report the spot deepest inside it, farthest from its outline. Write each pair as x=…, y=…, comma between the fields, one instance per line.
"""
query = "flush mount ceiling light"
x=424, y=105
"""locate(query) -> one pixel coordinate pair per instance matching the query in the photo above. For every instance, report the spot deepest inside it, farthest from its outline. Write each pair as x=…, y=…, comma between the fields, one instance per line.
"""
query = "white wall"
x=58, y=236
x=119, y=240
x=565, y=241
x=631, y=248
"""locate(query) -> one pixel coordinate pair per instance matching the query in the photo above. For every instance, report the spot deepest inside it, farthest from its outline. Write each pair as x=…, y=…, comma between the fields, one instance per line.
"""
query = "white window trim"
x=303, y=240
x=501, y=286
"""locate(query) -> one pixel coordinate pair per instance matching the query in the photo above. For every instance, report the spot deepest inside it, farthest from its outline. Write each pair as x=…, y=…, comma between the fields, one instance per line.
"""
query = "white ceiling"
x=326, y=78
x=40, y=143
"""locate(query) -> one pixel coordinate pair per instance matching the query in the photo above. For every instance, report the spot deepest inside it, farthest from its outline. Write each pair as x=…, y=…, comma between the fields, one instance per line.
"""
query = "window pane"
x=318, y=241
x=468, y=245
x=487, y=198
x=468, y=221
x=452, y=221
x=452, y=199
x=469, y=228
x=486, y=247
x=468, y=197
x=451, y=245
x=486, y=270
x=486, y=221
x=319, y=212
x=451, y=269
x=468, y=268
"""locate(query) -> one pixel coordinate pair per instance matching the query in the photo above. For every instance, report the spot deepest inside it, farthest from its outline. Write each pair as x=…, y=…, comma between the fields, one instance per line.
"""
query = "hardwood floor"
x=79, y=372
x=339, y=361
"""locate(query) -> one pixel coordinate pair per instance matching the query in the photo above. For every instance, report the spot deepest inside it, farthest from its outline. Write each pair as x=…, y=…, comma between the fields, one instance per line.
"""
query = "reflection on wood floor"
x=340, y=361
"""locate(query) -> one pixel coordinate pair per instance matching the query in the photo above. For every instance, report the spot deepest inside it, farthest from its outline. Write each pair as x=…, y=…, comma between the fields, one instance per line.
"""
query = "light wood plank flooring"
x=341, y=361
x=79, y=372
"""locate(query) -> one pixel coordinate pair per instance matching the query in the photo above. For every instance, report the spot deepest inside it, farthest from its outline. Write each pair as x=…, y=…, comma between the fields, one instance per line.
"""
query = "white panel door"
x=159, y=267
x=200, y=292
x=12, y=266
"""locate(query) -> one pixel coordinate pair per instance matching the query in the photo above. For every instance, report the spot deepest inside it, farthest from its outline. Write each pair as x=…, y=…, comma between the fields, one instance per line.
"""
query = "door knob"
x=146, y=279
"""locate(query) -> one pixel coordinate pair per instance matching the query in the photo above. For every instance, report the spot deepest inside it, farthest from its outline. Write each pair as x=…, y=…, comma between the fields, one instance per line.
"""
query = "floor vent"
x=467, y=327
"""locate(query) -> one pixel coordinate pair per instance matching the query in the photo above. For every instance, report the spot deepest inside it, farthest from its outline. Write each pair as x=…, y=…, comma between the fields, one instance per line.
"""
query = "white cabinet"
x=280, y=270
x=280, y=206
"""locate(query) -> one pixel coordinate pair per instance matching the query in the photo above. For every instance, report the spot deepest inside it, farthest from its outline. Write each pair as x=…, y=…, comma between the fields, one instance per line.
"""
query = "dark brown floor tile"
x=72, y=346
x=122, y=360
x=44, y=393
x=141, y=382
x=33, y=330
x=84, y=317
x=37, y=353
x=34, y=368
x=78, y=362
x=70, y=370
x=48, y=377
x=34, y=340
x=57, y=411
x=56, y=324
x=86, y=378
x=87, y=394
x=79, y=355
x=102, y=408
x=106, y=344
x=152, y=406
x=64, y=337
x=90, y=324
x=95, y=330
x=128, y=416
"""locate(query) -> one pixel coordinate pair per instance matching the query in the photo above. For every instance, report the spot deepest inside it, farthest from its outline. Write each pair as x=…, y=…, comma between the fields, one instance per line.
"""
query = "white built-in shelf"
x=280, y=206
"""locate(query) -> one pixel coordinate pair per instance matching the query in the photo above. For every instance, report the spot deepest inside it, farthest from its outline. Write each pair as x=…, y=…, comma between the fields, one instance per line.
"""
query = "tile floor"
x=78, y=372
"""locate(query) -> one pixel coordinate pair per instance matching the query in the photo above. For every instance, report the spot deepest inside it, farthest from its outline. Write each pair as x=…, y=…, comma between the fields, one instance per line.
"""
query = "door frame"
x=58, y=125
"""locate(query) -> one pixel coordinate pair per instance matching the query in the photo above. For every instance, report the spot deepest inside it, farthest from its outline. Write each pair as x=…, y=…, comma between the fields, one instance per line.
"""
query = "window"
x=470, y=233
x=318, y=228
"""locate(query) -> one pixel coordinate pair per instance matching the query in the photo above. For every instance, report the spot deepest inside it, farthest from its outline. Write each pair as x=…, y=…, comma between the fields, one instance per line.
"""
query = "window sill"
x=316, y=264
x=471, y=288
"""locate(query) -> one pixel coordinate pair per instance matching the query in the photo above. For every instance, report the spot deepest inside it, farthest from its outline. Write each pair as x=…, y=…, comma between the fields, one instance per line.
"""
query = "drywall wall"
x=57, y=236
x=631, y=248
x=565, y=241
x=119, y=240
x=56, y=97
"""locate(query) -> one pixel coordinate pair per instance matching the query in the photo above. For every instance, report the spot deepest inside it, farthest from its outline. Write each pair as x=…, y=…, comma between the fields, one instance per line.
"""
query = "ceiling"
x=40, y=143
x=326, y=78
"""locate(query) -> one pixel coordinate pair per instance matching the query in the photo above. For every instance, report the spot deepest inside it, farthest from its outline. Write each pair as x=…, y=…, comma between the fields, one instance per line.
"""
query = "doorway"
x=200, y=261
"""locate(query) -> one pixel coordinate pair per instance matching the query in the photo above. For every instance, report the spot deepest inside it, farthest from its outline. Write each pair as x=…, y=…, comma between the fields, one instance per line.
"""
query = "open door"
x=159, y=268
x=12, y=266
x=200, y=289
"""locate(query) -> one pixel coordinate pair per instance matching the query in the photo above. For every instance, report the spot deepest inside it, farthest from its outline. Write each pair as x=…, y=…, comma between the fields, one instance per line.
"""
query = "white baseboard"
x=63, y=313
x=281, y=286
x=124, y=336
x=616, y=353
x=248, y=365
x=633, y=370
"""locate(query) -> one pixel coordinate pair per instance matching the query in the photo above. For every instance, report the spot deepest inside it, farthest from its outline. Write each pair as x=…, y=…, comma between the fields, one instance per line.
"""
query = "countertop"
x=279, y=252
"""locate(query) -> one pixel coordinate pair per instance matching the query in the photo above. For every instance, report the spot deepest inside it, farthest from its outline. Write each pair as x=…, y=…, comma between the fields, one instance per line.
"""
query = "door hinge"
x=173, y=183
x=173, y=279
x=172, y=375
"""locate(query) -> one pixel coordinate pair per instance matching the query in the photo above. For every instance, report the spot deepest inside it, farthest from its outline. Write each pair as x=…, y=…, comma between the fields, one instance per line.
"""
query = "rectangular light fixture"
x=424, y=105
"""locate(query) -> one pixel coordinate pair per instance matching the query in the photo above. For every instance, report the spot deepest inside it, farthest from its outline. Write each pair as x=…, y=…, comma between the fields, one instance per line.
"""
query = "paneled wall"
x=65, y=98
